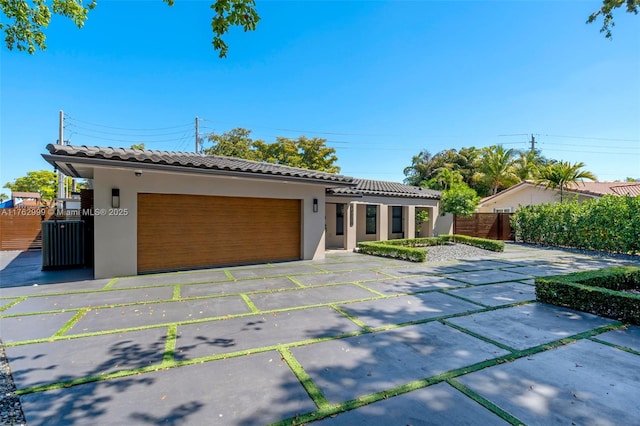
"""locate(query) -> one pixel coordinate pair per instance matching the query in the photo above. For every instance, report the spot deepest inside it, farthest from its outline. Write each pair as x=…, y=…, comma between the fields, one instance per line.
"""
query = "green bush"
x=395, y=251
x=598, y=292
x=492, y=245
x=609, y=224
x=409, y=249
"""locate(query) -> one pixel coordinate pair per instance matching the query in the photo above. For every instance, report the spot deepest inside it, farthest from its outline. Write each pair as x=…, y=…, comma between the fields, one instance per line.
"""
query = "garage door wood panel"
x=190, y=231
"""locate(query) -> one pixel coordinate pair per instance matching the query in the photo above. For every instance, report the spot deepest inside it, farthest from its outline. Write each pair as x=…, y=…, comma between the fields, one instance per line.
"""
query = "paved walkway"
x=349, y=340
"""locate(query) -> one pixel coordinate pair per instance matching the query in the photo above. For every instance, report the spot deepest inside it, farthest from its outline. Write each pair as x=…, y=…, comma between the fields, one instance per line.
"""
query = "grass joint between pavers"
x=504, y=415
x=305, y=380
x=73, y=321
x=110, y=284
x=254, y=309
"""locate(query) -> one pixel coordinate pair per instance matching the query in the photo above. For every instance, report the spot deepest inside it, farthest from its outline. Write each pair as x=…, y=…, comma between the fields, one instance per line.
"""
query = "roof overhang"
x=83, y=167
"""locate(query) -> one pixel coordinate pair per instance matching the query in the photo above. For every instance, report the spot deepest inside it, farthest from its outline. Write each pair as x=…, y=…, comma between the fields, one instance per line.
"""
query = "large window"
x=372, y=213
x=339, y=219
x=396, y=219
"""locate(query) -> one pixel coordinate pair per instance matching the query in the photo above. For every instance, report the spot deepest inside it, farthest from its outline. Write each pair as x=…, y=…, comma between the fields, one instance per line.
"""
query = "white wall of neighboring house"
x=116, y=235
x=526, y=195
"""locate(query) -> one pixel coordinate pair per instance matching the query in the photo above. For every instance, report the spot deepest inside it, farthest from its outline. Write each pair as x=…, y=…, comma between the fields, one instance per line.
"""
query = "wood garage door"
x=190, y=231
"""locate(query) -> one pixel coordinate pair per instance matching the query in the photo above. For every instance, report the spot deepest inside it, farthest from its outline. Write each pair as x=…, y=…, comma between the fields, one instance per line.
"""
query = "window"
x=396, y=219
x=339, y=219
x=372, y=213
x=502, y=210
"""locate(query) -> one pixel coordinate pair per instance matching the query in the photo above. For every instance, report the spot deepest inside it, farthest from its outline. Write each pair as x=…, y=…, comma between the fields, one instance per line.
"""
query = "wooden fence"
x=21, y=229
x=494, y=226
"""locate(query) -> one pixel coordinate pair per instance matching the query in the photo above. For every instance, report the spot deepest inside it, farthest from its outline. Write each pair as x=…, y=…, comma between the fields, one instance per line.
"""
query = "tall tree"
x=307, y=153
x=421, y=169
x=24, y=23
x=528, y=163
x=44, y=182
x=234, y=143
x=562, y=174
x=497, y=167
x=606, y=11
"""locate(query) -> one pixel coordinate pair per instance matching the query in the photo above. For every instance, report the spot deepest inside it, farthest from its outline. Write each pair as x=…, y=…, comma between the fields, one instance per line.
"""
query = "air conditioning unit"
x=62, y=244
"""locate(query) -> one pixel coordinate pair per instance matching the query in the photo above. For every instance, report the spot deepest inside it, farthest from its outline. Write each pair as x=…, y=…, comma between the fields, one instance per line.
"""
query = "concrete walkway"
x=353, y=339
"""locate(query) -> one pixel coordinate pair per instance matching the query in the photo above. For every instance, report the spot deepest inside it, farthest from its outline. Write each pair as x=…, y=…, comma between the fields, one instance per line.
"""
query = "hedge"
x=492, y=245
x=609, y=224
x=378, y=248
x=408, y=249
x=598, y=292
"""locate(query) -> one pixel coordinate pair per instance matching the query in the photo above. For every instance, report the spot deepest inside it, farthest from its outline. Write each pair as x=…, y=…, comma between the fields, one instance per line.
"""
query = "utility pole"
x=61, y=142
x=197, y=135
x=533, y=143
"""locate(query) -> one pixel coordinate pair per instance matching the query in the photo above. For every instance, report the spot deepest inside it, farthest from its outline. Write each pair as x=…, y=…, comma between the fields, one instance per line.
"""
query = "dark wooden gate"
x=494, y=226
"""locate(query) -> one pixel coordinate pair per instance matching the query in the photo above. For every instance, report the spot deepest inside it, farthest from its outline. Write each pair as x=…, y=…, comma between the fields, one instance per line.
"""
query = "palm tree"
x=496, y=165
x=528, y=164
x=563, y=174
x=446, y=178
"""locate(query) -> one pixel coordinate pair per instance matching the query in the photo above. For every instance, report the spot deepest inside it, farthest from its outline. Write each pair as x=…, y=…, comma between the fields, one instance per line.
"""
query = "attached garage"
x=163, y=211
x=178, y=231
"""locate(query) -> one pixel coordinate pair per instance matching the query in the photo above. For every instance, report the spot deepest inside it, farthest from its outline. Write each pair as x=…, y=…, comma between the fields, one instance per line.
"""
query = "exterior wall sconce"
x=115, y=198
x=315, y=205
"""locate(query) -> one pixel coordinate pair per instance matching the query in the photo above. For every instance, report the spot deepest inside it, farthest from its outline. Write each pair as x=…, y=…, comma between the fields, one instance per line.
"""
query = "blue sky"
x=380, y=80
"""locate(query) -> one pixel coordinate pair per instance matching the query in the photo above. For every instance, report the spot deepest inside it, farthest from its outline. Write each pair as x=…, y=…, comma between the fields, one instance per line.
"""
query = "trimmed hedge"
x=492, y=245
x=395, y=251
x=598, y=292
x=409, y=249
x=609, y=224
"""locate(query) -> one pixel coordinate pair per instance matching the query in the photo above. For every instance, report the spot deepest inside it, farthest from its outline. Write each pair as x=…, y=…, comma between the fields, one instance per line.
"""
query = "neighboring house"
x=158, y=210
x=527, y=193
x=22, y=199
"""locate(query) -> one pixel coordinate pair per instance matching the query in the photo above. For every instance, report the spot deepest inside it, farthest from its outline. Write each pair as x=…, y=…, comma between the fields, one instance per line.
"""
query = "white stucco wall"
x=527, y=195
x=116, y=235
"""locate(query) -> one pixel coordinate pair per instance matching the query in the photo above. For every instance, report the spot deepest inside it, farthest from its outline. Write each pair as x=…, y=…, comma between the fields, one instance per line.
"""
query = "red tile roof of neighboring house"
x=604, y=188
x=595, y=189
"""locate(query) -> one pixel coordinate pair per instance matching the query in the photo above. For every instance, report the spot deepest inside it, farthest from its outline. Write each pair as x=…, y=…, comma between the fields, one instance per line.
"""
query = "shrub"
x=609, y=224
x=492, y=245
x=409, y=249
x=598, y=292
x=396, y=251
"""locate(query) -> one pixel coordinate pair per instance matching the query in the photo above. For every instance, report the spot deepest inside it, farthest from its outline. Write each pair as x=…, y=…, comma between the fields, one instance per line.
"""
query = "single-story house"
x=528, y=193
x=158, y=210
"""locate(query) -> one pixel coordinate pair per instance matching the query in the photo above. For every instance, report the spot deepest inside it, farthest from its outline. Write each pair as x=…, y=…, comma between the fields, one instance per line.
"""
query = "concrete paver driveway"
x=352, y=339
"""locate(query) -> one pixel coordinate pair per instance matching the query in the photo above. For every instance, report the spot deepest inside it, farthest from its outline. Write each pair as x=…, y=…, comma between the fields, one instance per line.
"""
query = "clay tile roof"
x=193, y=160
x=383, y=188
x=604, y=188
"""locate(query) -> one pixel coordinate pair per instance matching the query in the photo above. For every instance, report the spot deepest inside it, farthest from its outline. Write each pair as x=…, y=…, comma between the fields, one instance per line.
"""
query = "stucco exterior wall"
x=527, y=195
x=116, y=235
x=332, y=239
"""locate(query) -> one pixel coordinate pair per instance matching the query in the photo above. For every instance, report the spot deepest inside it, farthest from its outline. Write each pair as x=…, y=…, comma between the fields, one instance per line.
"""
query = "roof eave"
x=65, y=164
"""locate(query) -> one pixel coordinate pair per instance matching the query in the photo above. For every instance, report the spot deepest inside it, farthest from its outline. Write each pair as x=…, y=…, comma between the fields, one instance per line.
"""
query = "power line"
x=125, y=140
x=75, y=126
x=591, y=138
x=125, y=128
